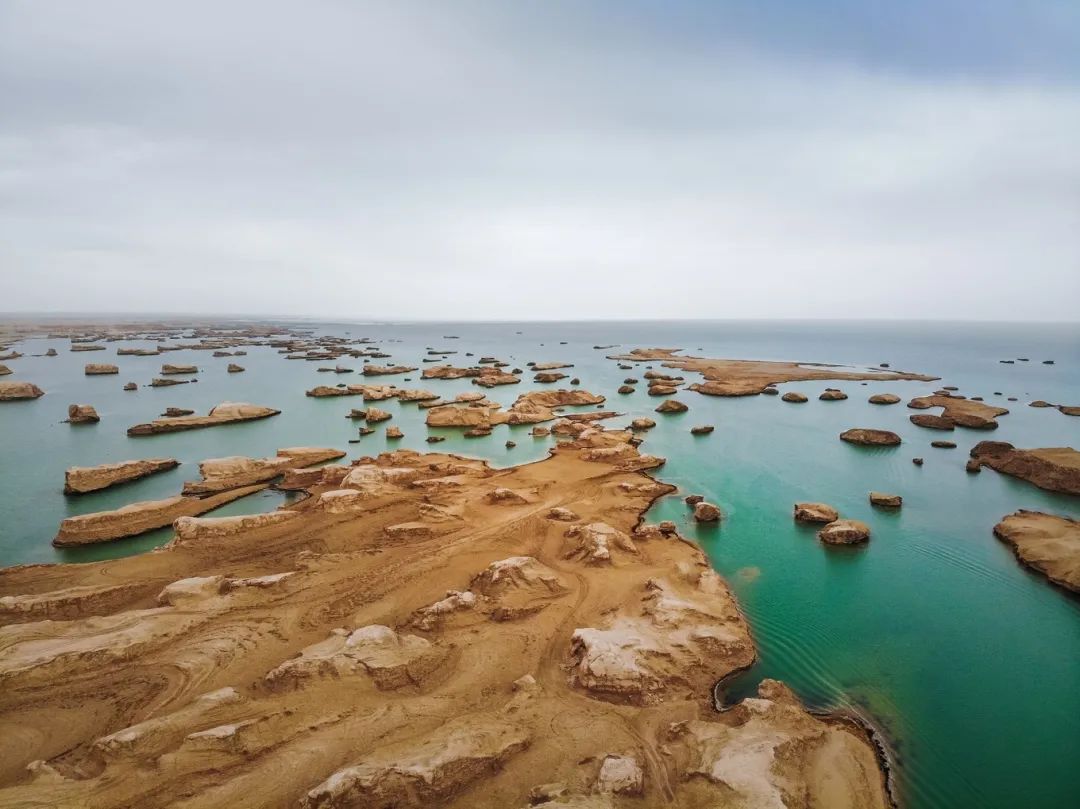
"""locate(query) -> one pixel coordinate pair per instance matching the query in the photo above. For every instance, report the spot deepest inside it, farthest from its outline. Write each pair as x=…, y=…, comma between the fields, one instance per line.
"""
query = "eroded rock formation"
x=398, y=637
x=224, y=413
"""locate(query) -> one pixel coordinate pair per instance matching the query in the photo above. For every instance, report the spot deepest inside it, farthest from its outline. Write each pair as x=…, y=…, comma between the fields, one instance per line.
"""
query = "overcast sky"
x=542, y=160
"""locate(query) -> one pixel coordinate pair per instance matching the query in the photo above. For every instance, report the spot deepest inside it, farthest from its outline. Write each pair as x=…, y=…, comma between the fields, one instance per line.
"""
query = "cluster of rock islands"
x=423, y=629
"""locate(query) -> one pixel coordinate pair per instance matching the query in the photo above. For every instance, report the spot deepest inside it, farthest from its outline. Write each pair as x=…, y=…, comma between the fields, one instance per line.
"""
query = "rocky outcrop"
x=672, y=406
x=932, y=422
x=794, y=397
x=884, y=500
x=845, y=532
x=138, y=518
x=758, y=749
x=815, y=512
x=100, y=369
x=4, y=370
x=176, y=412
x=451, y=372
x=82, y=414
x=529, y=408
x=550, y=366
x=970, y=413
x=832, y=395
x=224, y=413
x=173, y=370
x=642, y=424
x=702, y=429
x=495, y=377
x=869, y=437
x=14, y=391
x=83, y=479
x=233, y=368
x=884, y=399
x=597, y=543
x=685, y=636
x=706, y=512
x=423, y=771
x=189, y=529
x=391, y=660
x=1048, y=544
x=324, y=391
x=375, y=415
x=1056, y=469
x=464, y=416
x=416, y=395
x=387, y=370
x=223, y=474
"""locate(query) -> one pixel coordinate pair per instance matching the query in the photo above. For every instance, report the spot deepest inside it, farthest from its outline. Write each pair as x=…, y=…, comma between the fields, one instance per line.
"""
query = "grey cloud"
x=378, y=160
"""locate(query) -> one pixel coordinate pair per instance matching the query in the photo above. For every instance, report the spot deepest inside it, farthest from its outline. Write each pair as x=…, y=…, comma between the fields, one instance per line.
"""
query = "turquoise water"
x=969, y=664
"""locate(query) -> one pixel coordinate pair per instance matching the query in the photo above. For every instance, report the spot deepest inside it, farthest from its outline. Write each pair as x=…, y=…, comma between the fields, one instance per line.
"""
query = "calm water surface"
x=969, y=664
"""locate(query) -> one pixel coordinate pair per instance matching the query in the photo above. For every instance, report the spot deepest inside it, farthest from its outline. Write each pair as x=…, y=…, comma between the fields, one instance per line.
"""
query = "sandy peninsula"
x=421, y=630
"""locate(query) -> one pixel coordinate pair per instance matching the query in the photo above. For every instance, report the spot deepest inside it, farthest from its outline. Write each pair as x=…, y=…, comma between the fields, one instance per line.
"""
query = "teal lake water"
x=969, y=664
